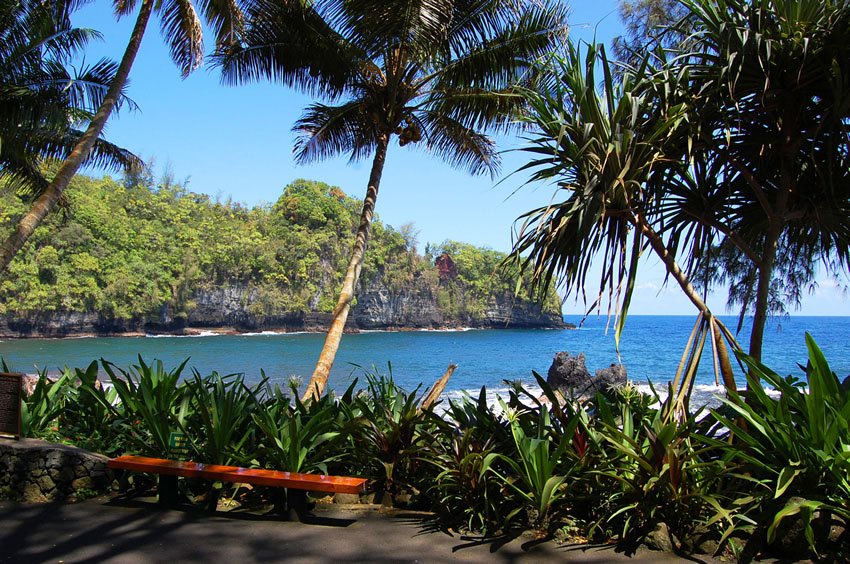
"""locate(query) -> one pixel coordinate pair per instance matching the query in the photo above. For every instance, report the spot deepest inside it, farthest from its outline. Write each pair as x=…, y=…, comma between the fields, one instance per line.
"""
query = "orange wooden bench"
x=296, y=484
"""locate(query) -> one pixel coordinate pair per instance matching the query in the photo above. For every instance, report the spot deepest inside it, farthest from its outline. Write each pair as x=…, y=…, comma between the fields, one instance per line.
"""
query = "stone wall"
x=38, y=471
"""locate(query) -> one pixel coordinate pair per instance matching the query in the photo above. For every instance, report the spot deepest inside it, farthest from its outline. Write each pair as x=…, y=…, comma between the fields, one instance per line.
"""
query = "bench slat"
x=256, y=476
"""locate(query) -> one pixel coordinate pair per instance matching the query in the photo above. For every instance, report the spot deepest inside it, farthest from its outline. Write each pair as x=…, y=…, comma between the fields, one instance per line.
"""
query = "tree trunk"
x=46, y=201
x=434, y=393
x=681, y=278
x=326, y=359
x=765, y=273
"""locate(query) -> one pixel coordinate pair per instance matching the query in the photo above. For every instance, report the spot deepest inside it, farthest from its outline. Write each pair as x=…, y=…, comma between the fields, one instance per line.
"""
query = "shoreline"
x=233, y=331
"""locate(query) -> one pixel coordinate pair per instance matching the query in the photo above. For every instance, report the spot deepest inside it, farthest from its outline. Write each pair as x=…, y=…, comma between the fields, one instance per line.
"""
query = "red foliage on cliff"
x=446, y=266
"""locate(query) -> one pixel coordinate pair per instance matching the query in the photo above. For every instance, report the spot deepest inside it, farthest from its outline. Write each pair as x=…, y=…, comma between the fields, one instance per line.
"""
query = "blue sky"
x=236, y=142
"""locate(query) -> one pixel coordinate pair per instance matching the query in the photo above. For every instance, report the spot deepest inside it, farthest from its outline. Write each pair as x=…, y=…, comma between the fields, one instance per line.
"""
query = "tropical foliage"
x=183, y=32
x=747, y=477
x=721, y=147
x=435, y=74
x=42, y=98
x=128, y=252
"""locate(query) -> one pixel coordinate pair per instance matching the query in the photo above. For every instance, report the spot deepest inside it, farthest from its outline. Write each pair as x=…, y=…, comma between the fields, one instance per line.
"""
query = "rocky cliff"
x=415, y=306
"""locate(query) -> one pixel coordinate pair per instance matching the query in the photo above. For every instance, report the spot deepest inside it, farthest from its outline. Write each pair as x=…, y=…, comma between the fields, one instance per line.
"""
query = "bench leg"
x=296, y=501
x=291, y=504
x=167, y=490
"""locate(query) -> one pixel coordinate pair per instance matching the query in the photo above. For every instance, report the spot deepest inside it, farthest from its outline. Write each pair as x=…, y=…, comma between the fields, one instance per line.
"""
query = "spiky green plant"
x=790, y=454
x=220, y=429
x=534, y=475
x=40, y=410
x=300, y=437
x=152, y=405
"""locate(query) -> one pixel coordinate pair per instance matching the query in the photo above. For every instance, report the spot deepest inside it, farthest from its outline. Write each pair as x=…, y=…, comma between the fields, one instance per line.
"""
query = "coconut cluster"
x=410, y=133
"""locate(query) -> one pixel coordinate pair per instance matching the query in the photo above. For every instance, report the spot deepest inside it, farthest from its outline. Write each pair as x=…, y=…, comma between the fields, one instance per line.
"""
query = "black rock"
x=569, y=375
x=568, y=372
x=612, y=377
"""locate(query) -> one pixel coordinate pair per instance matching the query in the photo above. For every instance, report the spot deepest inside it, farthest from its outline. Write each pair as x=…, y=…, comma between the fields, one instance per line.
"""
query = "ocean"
x=650, y=348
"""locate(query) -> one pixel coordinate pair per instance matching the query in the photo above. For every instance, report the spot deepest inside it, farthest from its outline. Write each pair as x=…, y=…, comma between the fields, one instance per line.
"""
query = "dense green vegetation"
x=130, y=250
x=762, y=472
x=438, y=75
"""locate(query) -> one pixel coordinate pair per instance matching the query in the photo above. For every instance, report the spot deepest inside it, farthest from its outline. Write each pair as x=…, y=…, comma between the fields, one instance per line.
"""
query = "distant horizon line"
x=694, y=315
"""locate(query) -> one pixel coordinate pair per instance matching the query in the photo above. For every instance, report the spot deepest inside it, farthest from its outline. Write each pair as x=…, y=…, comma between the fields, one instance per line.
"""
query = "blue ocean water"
x=651, y=348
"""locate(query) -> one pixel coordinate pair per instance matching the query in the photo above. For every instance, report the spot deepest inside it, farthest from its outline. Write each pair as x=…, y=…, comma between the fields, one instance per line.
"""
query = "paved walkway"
x=139, y=532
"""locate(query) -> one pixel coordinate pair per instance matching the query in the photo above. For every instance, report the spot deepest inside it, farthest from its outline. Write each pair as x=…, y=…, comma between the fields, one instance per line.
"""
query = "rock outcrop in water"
x=148, y=259
x=230, y=308
x=569, y=376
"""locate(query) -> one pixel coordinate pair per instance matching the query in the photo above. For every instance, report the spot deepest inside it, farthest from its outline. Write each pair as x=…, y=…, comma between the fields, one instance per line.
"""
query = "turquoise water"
x=650, y=348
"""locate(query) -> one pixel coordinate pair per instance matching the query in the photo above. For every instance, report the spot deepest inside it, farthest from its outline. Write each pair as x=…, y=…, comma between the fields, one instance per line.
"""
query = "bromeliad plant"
x=534, y=475
x=388, y=427
x=465, y=497
x=41, y=408
x=152, y=405
x=655, y=467
x=86, y=421
x=300, y=437
x=220, y=429
x=790, y=454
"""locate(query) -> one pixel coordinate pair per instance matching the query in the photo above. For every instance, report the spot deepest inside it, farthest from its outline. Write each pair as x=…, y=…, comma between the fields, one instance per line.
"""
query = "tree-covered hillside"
x=134, y=250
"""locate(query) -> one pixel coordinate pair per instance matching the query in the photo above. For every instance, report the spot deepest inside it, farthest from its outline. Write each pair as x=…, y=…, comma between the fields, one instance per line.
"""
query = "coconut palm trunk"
x=51, y=195
x=319, y=379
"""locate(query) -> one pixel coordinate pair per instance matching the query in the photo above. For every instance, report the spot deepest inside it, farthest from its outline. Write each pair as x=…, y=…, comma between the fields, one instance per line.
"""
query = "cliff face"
x=378, y=307
x=417, y=307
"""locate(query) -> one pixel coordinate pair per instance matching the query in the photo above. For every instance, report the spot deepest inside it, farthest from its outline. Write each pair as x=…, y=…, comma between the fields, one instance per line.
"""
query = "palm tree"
x=433, y=73
x=181, y=27
x=40, y=100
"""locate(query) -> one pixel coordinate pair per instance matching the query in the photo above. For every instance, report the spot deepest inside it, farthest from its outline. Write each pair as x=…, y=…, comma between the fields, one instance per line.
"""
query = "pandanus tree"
x=726, y=154
x=612, y=148
x=768, y=144
x=181, y=28
x=42, y=99
x=437, y=74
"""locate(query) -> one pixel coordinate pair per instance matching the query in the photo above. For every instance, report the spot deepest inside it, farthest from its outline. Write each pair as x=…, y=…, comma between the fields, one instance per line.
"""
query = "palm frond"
x=182, y=29
x=458, y=145
x=287, y=42
x=327, y=131
x=22, y=157
x=225, y=17
x=376, y=26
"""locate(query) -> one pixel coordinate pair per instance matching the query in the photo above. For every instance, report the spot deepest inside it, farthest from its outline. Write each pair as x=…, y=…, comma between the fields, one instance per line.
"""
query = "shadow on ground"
x=135, y=531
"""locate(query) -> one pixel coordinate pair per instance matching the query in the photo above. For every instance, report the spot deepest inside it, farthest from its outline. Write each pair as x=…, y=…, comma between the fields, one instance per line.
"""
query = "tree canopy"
x=43, y=99
x=128, y=251
x=724, y=149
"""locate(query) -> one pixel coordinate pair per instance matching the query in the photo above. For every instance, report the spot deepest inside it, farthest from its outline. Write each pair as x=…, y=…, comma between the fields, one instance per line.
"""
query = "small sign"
x=10, y=404
x=178, y=444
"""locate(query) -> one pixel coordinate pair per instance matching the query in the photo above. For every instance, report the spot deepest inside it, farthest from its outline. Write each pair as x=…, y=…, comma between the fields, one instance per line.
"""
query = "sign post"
x=11, y=385
x=178, y=445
